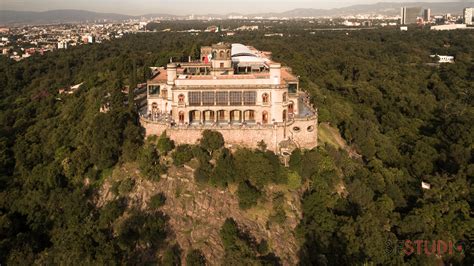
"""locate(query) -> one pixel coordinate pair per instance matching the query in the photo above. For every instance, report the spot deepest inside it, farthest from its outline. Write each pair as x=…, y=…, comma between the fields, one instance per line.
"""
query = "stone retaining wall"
x=303, y=132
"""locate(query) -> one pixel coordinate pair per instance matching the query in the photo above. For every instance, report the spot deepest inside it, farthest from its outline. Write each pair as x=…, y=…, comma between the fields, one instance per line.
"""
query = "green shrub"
x=248, y=195
x=182, y=154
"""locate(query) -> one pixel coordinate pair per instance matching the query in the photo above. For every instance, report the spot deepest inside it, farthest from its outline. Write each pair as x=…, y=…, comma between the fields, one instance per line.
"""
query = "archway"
x=235, y=116
x=208, y=117
x=194, y=117
x=249, y=116
x=221, y=116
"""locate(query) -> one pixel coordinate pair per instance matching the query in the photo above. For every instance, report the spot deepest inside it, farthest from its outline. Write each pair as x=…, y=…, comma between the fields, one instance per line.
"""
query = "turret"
x=275, y=73
x=171, y=73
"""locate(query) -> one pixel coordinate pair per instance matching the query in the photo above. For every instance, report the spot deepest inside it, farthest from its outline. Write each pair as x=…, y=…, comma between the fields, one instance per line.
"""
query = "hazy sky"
x=181, y=7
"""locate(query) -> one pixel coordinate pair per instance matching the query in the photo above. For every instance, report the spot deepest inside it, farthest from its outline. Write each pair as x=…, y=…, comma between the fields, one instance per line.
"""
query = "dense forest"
x=410, y=123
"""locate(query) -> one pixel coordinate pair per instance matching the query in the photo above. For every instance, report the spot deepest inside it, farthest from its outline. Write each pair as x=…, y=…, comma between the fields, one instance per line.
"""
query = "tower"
x=221, y=59
x=426, y=15
x=468, y=12
x=409, y=15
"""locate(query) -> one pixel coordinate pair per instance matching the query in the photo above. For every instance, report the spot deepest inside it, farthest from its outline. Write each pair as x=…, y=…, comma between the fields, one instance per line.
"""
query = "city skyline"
x=185, y=7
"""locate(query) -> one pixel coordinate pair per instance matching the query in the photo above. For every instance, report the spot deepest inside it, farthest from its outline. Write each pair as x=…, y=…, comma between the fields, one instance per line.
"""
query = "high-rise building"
x=409, y=15
x=468, y=12
x=426, y=14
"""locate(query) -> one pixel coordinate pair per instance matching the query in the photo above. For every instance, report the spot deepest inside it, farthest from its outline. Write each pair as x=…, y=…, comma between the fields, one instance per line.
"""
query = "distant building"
x=443, y=58
x=409, y=15
x=90, y=39
x=468, y=12
x=367, y=23
x=244, y=28
x=427, y=15
x=449, y=27
x=213, y=28
x=62, y=45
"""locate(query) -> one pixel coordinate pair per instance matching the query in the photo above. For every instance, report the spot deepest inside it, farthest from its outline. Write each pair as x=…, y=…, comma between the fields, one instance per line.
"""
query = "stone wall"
x=297, y=130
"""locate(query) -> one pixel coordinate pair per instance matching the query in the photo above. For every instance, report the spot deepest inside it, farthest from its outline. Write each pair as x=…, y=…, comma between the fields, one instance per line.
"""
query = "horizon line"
x=223, y=14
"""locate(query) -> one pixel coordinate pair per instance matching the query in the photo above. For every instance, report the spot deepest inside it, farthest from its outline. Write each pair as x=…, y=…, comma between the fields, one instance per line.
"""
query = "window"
x=181, y=98
x=221, y=54
x=153, y=89
x=181, y=117
x=208, y=98
x=222, y=65
x=292, y=87
x=250, y=97
x=296, y=129
x=194, y=98
x=235, y=98
x=285, y=97
x=222, y=98
x=265, y=117
x=291, y=108
x=265, y=98
x=310, y=128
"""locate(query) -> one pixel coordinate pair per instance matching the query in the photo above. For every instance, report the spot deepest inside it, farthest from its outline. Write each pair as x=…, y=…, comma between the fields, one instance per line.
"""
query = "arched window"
x=221, y=54
x=285, y=97
x=181, y=98
x=265, y=98
x=291, y=108
x=181, y=117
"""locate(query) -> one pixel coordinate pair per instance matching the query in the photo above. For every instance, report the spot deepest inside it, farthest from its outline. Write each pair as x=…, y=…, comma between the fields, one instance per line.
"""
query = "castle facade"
x=236, y=90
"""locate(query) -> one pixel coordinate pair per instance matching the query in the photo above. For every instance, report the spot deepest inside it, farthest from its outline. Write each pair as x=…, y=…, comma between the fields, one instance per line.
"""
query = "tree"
x=248, y=195
x=149, y=162
x=182, y=154
x=195, y=258
x=242, y=249
x=172, y=256
x=165, y=144
x=156, y=201
x=223, y=172
x=211, y=140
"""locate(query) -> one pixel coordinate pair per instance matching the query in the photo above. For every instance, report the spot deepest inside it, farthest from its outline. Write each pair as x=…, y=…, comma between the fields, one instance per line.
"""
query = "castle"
x=236, y=90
